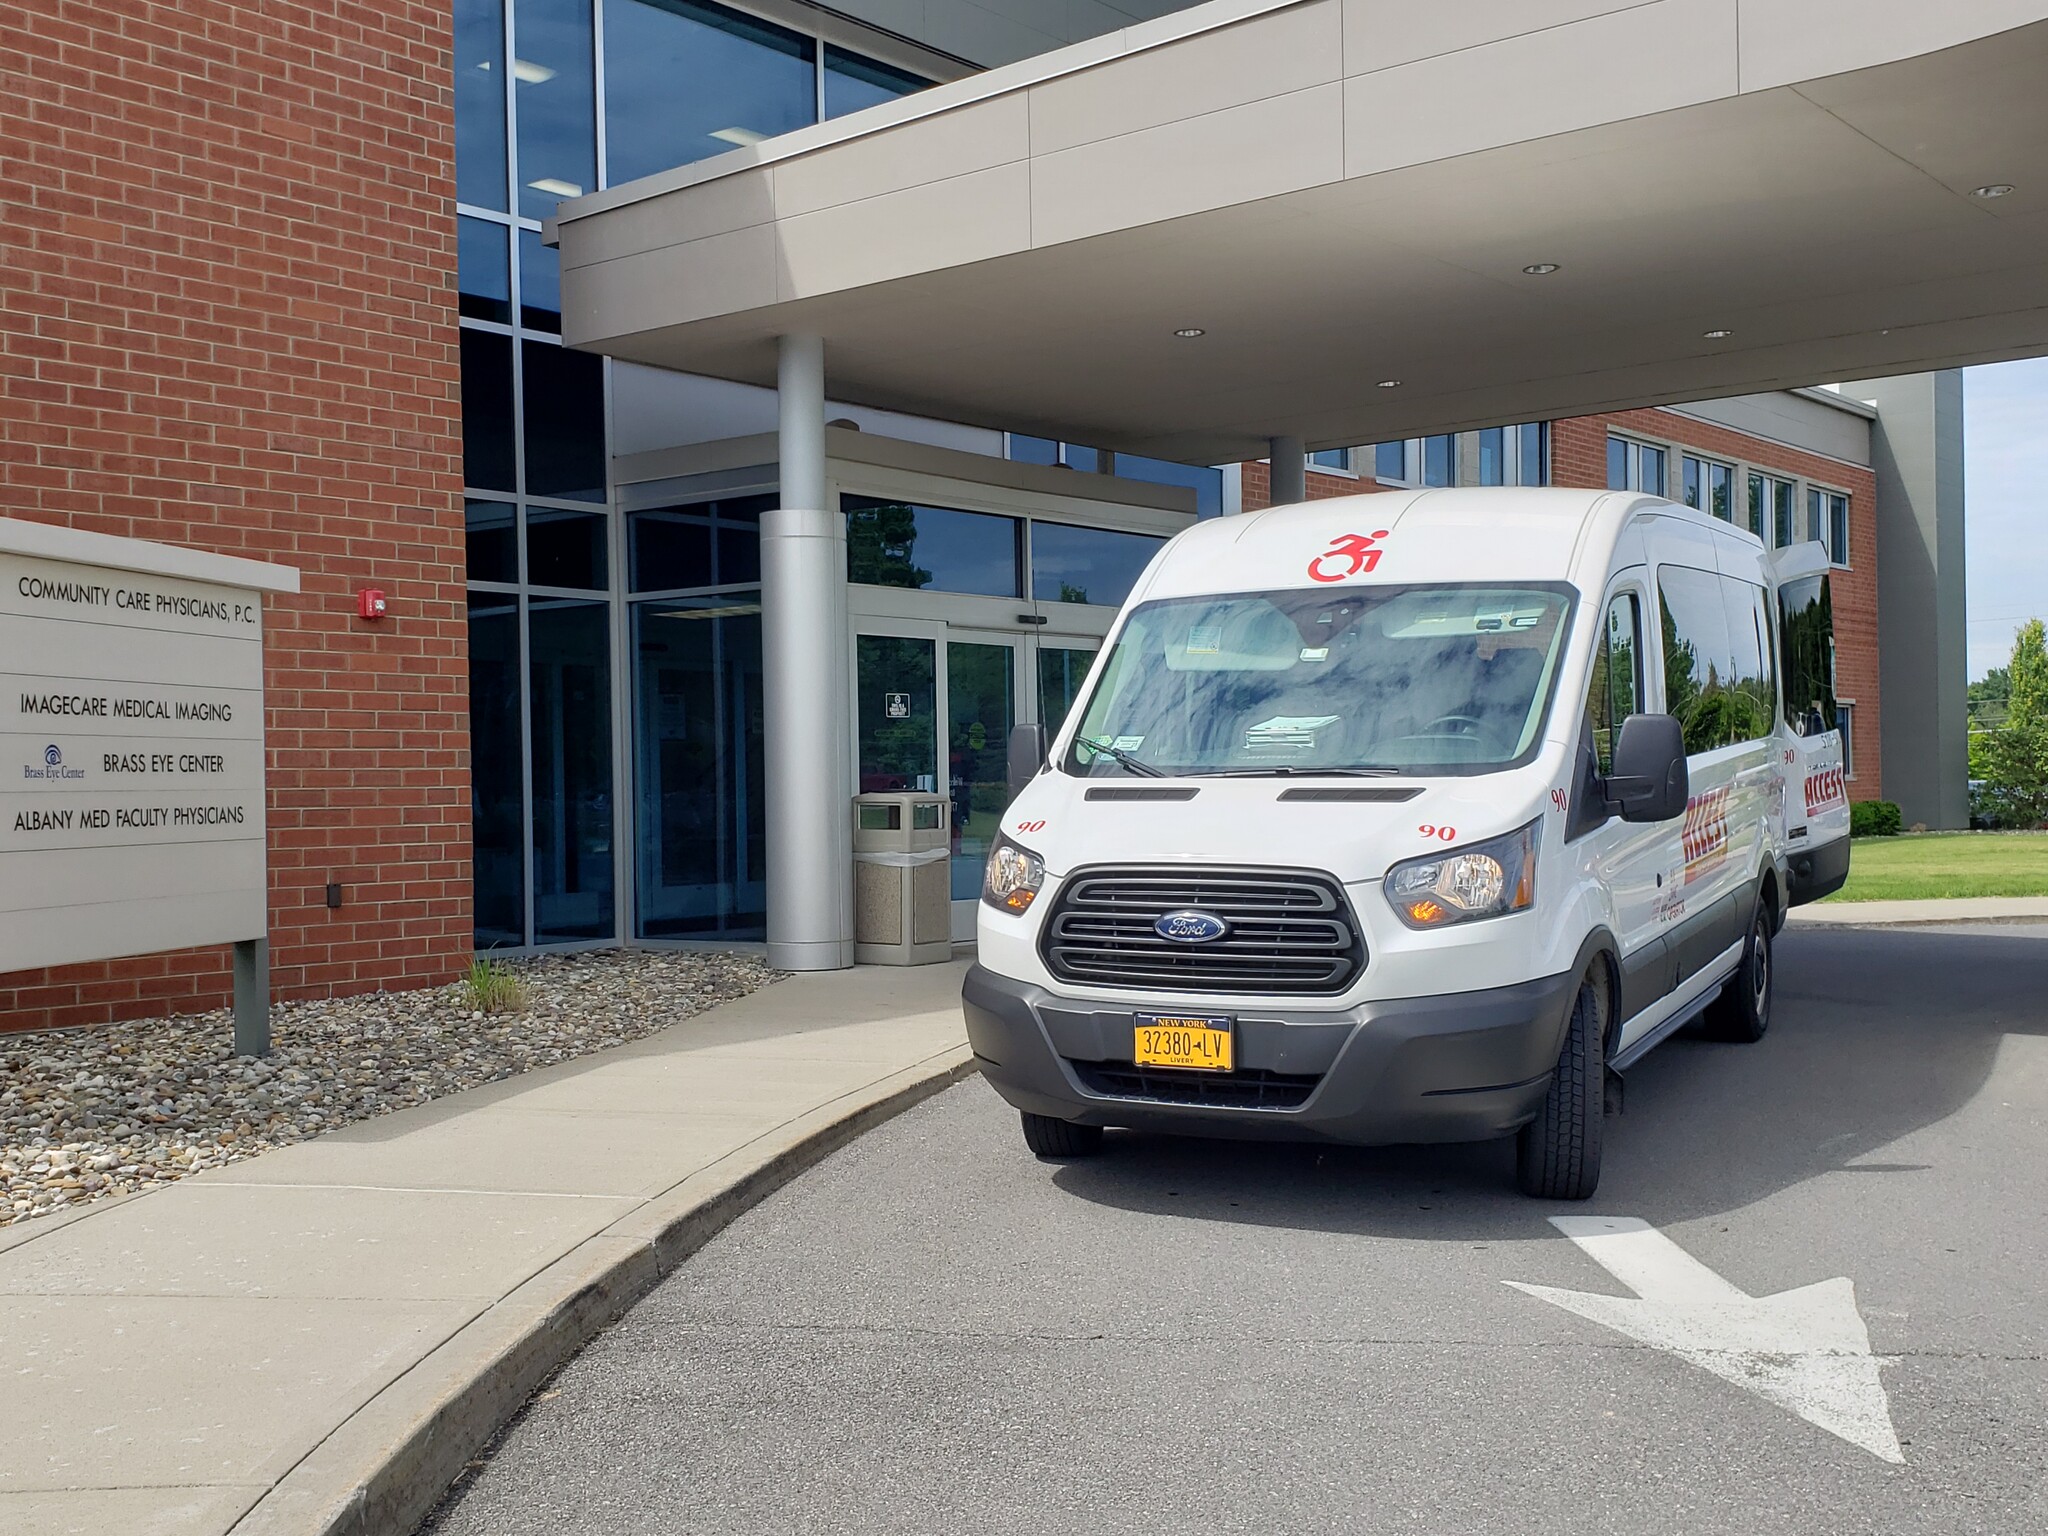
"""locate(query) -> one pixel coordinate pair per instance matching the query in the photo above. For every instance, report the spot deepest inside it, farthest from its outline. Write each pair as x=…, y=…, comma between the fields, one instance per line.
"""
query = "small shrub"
x=494, y=987
x=1874, y=818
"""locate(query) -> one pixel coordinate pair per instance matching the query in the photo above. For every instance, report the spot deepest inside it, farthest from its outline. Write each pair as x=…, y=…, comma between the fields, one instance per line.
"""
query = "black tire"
x=1557, y=1155
x=1060, y=1138
x=1741, y=1011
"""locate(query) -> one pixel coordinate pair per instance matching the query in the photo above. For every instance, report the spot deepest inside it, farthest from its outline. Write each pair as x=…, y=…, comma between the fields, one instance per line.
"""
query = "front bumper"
x=1465, y=1066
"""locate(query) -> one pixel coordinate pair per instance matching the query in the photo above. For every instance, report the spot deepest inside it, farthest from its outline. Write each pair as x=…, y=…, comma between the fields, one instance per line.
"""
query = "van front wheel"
x=1048, y=1137
x=1557, y=1155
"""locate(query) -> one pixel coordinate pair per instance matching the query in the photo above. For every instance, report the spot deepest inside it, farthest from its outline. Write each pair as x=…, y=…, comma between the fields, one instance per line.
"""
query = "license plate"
x=1195, y=1044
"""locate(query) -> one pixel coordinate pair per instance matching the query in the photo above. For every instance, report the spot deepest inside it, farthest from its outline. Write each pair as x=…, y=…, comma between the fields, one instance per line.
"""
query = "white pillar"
x=1290, y=470
x=806, y=713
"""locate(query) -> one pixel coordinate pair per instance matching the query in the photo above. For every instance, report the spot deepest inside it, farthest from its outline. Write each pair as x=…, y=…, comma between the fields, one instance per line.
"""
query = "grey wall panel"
x=1795, y=420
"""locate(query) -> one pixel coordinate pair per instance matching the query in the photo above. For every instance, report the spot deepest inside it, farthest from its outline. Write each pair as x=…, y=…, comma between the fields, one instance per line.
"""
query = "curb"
x=384, y=1468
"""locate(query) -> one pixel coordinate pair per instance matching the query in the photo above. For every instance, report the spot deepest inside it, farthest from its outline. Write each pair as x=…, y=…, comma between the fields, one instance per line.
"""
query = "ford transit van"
x=1411, y=817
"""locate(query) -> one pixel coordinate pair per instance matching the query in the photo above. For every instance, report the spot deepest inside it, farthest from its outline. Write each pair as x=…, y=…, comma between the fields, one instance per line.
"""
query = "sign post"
x=131, y=755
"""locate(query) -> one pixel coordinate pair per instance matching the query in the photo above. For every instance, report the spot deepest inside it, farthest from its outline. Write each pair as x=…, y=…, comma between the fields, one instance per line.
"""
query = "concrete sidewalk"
x=317, y=1339
x=1960, y=909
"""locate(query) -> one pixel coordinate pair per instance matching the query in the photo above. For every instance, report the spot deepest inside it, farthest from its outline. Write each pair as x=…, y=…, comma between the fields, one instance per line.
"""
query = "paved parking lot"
x=934, y=1332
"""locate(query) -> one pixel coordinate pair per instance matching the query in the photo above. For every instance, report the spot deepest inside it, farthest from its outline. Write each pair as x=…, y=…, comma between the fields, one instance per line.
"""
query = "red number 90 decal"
x=1030, y=826
x=1441, y=834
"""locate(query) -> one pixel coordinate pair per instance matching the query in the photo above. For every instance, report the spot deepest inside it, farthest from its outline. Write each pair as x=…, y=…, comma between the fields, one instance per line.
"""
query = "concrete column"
x=806, y=712
x=1290, y=470
x=1922, y=652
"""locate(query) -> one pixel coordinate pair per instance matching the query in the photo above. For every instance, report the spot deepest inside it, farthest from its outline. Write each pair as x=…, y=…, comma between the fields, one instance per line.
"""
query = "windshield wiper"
x=1136, y=765
x=1289, y=771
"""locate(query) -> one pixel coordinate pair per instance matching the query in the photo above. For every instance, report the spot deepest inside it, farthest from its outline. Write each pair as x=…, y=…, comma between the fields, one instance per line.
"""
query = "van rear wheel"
x=1557, y=1155
x=1048, y=1137
x=1742, y=1010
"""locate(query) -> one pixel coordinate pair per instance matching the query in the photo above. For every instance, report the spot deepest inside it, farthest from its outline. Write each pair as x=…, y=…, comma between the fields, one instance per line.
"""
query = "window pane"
x=1721, y=480
x=896, y=705
x=497, y=819
x=1816, y=515
x=1439, y=458
x=1615, y=692
x=493, y=541
x=1617, y=464
x=570, y=659
x=1806, y=629
x=703, y=544
x=1493, y=456
x=1033, y=450
x=897, y=544
x=487, y=457
x=1075, y=456
x=852, y=82
x=540, y=283
x=566, y=549
x=564, y=412
x=1782, y=507
x=1748, y=677
x=1692, y=473
x=483, y=270
x=700, y=861
x=685, y=81
x=553, y=86
x=1651, y=462
x=1756, y=505
x=1838, y=529
x=1061, y=671
x=1331, y=458
x=1205, y=482
x=1535, y=470
x=1086, y=565
x=1389, y=460
x=1847, y=717
x=1696, y=655
x=981, y=706
x=480, y=103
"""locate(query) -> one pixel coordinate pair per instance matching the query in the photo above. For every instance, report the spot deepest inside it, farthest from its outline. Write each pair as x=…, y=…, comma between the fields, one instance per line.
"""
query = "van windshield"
x=1449, y=679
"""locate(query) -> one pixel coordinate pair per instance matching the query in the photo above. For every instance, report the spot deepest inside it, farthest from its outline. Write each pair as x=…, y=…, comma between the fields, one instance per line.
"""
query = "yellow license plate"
x=1199, y=1045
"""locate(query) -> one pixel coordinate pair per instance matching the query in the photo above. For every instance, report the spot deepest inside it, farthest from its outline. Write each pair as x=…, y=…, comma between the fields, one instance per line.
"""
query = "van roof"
x=1398, y=537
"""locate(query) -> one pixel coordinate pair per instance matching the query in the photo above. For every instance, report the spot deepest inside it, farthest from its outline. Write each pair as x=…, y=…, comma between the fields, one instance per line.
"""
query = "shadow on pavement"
x=1877, y=1032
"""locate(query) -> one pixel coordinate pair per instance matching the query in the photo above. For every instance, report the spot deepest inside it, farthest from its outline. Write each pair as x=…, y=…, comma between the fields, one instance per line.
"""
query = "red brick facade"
x=227, y=320
x=1578, y=457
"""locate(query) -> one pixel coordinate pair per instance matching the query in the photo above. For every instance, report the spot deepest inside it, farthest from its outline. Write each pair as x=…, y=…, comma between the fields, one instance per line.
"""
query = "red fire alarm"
x=370, y=604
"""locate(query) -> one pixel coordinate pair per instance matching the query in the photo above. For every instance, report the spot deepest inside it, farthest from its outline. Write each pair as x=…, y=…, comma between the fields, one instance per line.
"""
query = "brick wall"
x=1257, y=493
x=227, y=320
x=1578, y=456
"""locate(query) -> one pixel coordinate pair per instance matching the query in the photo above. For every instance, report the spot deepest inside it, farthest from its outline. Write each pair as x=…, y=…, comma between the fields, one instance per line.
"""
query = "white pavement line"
x=1806, y=1350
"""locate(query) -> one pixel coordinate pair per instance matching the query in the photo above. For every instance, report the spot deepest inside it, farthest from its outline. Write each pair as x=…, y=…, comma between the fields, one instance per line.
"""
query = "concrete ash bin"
x=902, y=879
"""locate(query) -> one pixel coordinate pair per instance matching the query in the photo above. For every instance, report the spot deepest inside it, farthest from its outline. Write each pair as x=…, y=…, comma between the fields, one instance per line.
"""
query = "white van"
x=1409, y=817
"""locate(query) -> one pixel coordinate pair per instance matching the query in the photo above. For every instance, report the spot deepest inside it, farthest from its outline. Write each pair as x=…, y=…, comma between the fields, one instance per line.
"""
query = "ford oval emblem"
x=1189, y=927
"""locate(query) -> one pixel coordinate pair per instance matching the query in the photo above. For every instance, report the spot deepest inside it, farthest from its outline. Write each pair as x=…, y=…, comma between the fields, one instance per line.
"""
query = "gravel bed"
x=85, y=1114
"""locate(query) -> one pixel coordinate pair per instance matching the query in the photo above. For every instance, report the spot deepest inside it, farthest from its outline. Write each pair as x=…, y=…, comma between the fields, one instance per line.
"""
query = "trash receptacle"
x=902, y=879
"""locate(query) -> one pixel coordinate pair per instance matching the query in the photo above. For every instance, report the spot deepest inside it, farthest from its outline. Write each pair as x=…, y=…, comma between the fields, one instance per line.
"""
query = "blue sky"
x=2005, y=478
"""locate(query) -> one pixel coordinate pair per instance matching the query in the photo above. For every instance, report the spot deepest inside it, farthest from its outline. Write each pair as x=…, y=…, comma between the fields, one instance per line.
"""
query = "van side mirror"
x=1650, y=781
x=1027, y=756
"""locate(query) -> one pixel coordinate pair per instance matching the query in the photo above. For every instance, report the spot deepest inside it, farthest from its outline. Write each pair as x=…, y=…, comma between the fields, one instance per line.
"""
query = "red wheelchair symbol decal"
x=1355, y=549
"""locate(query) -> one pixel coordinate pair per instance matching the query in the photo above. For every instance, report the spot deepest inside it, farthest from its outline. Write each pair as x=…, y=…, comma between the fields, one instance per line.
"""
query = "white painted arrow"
x=1805, y=1349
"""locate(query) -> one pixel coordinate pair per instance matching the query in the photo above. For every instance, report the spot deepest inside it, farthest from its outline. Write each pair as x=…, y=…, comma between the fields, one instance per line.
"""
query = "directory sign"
x=131, y=746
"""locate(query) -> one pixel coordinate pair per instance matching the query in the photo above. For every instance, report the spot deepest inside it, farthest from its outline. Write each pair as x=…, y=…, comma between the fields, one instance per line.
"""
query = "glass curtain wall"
x=551, y=104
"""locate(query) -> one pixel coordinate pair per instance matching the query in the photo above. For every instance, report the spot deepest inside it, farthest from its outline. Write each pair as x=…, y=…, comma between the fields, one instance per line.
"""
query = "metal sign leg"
x=252, y=997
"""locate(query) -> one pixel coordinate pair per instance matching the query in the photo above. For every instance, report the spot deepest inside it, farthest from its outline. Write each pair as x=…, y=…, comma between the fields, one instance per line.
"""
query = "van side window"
x=1617, y=687
x=1698, y=659
x=1752, y=710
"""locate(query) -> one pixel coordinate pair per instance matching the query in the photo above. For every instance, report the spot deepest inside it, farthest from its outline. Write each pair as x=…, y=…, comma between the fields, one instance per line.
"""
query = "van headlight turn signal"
x=1487, y=879
x=1013, y=878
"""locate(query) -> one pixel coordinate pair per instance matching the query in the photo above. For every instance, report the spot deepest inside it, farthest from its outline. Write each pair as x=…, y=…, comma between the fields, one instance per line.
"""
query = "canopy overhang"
x=1342, y=197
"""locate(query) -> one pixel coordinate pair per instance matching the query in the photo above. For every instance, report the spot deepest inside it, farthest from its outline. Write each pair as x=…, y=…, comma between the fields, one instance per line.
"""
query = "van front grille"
x=1215, y=1090
x=1285, y=931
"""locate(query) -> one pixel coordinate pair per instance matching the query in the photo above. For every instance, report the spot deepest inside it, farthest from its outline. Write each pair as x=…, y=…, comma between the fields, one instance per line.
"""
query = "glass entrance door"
x=981, y=706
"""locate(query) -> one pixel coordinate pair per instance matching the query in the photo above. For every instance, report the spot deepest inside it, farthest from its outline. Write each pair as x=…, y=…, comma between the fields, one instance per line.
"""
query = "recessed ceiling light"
x=554, y=186
x=1390, y=383
x=531, y=74
x=1540, y=268
x=1190, y=332
x=740, y=136
x=1995, y=189
x=1717, y=335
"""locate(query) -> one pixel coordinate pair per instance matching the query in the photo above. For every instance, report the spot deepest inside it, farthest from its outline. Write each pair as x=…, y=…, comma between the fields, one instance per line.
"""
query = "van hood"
x=1355, y=829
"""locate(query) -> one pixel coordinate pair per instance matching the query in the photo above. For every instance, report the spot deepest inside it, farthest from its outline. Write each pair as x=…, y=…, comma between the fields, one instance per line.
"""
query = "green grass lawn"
x=1920, y=866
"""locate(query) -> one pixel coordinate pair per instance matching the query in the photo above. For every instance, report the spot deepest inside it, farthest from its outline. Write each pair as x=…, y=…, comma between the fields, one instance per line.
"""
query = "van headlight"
x=1013, y=878
x=1485, y=880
